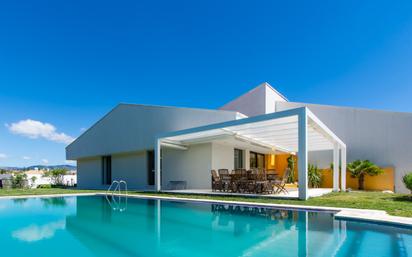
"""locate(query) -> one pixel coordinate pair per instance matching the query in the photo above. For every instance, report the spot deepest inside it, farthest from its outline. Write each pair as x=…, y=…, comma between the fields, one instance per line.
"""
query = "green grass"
x=41, y=191
x=394, y=204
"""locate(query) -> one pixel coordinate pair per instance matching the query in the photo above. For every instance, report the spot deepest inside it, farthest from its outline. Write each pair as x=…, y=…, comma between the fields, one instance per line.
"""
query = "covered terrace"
x=296, y=131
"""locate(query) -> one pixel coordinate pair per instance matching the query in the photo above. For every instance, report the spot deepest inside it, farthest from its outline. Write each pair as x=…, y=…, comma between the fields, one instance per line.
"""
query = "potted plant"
x=314, y=176
x=407, y=180
x=291, y=165
x=359, y=168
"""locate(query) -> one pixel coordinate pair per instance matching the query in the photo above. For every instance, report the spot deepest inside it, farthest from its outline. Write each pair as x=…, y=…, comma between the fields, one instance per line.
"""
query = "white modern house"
x=151, y=147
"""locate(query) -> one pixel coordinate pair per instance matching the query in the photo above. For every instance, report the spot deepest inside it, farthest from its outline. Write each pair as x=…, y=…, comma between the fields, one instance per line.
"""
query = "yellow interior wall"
x=384, y=181
x=280, y=164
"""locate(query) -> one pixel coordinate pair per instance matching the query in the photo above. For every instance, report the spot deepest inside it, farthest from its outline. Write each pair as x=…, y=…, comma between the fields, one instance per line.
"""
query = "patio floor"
x=293, y=193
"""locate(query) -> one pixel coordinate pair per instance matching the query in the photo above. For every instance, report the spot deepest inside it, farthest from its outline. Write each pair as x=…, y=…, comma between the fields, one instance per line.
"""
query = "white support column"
x=336, y=167
x=303, y=156
x=343, y=170
x=157, y=156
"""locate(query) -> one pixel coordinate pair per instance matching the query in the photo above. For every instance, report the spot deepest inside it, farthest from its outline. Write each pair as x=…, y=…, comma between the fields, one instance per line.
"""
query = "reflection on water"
x=54, y=202
x=36, y=233
x=100, y=226
x=20, y=200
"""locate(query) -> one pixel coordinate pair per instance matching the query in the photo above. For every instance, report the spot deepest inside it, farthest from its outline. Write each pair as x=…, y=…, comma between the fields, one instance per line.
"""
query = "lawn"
x=41, y=191
x=394, y=204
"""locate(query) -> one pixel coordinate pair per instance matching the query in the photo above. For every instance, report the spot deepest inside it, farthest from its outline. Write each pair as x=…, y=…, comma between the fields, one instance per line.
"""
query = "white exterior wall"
x=89, y=173
x=379, y=136
x=132, y=168
x=260, y=100
x=247, y=103
x=126, y=131
x=69, y=180
x=222, y=156
x=131, y=128
x=192, y=165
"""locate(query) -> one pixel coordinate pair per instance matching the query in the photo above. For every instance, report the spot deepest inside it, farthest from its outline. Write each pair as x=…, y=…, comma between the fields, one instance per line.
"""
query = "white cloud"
x=35, y=233
x=26, y=157
x=3, y=156
x=83, y=129
x=37, y=129
x=70, y=162
x=45, y=161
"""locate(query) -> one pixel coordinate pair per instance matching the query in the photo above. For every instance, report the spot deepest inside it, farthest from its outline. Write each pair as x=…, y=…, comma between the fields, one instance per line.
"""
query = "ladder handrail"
x=114, y=182
x=118, y=187
x=117, y=184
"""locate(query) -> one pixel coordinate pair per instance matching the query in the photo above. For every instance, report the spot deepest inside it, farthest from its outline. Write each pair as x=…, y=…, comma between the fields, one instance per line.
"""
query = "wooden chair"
x=281, y=183
x=225, y=179
x=262, y=183
x=216, y=181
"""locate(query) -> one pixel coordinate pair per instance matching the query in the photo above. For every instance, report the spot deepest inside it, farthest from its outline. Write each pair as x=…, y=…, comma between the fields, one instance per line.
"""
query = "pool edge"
x=363, y=215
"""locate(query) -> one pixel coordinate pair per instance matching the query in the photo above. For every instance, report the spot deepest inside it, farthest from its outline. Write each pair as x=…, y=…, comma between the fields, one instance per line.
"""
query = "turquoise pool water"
x=92, y=226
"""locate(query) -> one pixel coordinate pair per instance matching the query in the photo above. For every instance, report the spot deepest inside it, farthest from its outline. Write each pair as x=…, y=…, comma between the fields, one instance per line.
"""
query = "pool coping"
x=365, y=215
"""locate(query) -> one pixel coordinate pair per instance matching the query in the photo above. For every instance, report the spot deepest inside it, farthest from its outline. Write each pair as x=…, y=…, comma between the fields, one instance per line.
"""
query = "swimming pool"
x=80, y=226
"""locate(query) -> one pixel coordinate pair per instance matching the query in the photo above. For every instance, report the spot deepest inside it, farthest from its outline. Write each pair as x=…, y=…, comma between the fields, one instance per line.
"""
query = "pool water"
x=99, y=226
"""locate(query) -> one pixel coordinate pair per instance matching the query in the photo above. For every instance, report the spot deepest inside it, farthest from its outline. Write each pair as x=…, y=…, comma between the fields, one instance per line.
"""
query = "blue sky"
x=67, y=63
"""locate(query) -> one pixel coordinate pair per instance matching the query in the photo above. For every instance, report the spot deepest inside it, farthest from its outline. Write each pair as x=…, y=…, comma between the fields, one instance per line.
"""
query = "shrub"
x=44, y=186
x=360, y=168
x=19, y=181
x=314, y=176
x=407, y=180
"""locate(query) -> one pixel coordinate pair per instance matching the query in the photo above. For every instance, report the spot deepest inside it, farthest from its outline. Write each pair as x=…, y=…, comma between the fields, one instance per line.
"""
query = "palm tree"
x=360, y=168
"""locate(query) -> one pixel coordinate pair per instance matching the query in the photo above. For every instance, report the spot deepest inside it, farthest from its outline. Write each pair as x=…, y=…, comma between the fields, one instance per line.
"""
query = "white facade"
x=128, y=134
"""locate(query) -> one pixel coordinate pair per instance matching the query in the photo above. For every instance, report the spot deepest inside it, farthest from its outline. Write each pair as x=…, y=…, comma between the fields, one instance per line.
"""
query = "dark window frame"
x=107, y=170
x=239, y=163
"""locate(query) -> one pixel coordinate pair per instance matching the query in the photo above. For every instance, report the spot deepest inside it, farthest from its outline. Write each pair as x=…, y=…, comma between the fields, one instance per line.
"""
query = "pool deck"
x=375, y=216
x=292, y=193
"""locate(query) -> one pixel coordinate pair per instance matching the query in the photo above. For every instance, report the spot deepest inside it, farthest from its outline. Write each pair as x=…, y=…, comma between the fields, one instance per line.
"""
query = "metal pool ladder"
x=117, y=202
x=117, y=185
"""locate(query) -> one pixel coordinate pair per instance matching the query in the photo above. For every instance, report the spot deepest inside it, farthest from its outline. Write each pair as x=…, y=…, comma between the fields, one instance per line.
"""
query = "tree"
x=360, y=168
x=56, y=176
x=33, y=181
x=19, y=180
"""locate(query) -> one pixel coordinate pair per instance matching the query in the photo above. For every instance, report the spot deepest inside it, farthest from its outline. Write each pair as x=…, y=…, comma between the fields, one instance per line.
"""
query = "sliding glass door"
x=257, y=160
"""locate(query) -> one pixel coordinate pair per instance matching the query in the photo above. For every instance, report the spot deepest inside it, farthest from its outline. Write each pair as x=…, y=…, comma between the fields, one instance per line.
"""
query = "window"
x=238, y=159
x=257, y=160
x=106, y=170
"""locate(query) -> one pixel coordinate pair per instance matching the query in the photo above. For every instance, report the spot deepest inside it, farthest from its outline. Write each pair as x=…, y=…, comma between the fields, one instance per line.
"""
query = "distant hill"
x=63, y=166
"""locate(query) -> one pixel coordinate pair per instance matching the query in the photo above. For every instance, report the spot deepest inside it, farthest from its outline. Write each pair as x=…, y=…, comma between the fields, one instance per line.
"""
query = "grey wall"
x=379, y=136
x=192, y=165
x=89, y=173
x=132, y=168
x=130, y=128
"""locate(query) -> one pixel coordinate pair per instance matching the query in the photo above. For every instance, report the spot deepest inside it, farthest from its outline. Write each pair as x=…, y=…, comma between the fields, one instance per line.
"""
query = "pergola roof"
x=278, y=131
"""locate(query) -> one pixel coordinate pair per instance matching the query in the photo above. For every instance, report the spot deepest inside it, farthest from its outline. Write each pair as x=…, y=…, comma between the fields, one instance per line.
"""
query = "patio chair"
x=281, y=183
x=216, y=182
x=272, y=177
x=225, y=179
x=262, y=184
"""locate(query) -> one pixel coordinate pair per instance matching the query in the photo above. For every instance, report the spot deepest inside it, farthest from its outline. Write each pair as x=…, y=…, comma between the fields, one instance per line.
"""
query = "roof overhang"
x=277, y=131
